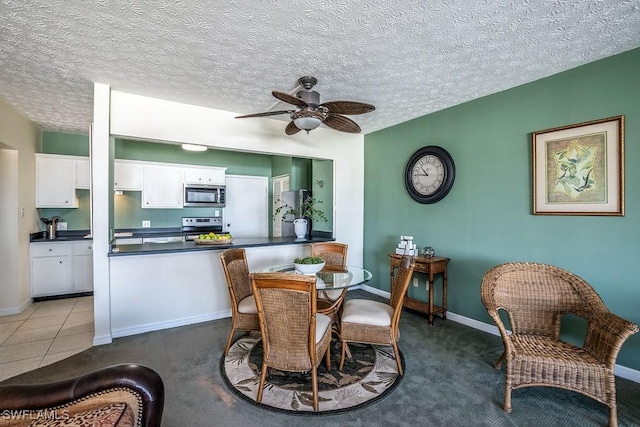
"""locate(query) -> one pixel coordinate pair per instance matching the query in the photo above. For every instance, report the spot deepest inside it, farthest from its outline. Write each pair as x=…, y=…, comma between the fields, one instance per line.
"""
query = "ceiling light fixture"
x=194, y=147
x=308, y=119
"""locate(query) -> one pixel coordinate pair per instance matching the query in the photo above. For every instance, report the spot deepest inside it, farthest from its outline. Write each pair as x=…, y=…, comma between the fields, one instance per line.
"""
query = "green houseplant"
x=307, y=209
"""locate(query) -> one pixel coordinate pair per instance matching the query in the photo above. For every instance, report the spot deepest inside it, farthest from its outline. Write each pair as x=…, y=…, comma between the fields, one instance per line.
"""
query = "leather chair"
x=119, y=395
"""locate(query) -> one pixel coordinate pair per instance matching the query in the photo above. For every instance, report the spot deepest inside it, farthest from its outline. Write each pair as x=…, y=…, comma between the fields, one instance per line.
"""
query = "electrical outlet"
x=415, y=282
x=61, y=226
x=22, y=212
x=146, y=224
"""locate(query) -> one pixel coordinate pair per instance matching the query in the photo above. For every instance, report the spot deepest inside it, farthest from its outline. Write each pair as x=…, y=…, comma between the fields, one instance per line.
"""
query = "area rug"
x=370, y=375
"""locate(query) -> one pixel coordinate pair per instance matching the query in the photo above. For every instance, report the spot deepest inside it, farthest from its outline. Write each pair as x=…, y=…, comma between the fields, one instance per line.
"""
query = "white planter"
x=300, y=227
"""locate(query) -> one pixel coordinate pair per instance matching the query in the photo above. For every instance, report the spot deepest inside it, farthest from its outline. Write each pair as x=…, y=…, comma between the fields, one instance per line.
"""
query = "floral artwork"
x=579, y=169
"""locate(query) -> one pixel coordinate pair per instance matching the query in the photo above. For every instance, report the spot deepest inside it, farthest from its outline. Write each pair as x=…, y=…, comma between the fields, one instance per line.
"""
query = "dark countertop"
x=158, y=248
x=175, y=247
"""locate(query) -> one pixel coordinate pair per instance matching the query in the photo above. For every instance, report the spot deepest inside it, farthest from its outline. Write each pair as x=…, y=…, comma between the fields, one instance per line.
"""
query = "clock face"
x=429, y=174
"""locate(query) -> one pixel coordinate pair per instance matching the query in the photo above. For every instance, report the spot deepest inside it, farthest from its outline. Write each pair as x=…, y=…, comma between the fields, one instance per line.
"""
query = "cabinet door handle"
x=50, y=249
x=60, y=262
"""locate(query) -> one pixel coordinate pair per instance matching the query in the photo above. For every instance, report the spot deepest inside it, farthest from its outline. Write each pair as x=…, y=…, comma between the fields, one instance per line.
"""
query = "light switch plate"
x=61, y=226
x=146, y=224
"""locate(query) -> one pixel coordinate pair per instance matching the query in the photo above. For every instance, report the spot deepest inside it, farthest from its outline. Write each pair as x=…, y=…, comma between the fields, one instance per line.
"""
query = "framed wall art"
x=579, y=169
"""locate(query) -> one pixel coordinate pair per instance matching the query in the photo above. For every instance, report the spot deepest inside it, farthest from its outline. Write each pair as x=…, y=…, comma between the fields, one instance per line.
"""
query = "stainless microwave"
x=204, y=196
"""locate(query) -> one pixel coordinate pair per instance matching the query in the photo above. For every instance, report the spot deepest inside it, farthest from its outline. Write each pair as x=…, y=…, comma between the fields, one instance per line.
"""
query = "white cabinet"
x=83, y=173
x=162, y=187
x=82, y=266
x=50, y=269
x=55, y=181
x=127, y=176
x=207, y=176
x=59, y=268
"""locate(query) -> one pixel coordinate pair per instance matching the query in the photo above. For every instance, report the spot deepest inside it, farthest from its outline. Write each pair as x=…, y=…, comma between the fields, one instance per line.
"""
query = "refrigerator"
x=294, y=198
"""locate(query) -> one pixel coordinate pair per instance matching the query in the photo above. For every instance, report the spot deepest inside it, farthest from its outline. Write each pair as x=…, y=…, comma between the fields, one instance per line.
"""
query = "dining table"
x=329, y=279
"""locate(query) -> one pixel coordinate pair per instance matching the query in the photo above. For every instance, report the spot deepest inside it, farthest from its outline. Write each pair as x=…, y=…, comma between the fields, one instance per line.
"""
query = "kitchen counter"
x=175, y=247
x=63, y=236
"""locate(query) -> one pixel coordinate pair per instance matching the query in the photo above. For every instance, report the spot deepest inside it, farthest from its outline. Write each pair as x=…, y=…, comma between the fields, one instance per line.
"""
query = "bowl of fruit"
x=308, y=265
x=213, y=239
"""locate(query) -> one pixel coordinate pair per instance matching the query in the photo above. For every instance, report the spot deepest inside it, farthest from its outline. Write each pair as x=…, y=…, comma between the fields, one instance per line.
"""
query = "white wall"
x=139, y=117
x=19, y=139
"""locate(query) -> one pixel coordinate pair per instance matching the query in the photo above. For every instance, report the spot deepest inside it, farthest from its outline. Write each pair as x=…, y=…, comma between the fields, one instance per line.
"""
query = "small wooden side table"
x=430, y=267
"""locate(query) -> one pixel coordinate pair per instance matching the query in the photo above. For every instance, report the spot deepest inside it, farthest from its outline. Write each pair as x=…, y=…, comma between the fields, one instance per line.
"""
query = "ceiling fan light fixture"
x=308, y=119
x=194, y=147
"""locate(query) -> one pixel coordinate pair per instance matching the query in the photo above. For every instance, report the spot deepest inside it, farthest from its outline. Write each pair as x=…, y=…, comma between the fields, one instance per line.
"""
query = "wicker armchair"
x=294, y=336
x=335, y=255
x=535, y=298
x=244, y=313
x=374, y=322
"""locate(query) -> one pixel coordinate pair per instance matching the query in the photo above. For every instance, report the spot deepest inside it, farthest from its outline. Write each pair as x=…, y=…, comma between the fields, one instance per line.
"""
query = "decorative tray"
x=213, y=241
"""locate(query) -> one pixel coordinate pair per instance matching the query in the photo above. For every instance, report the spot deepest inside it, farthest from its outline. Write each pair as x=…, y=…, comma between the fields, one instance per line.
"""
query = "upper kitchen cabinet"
x=205, y=176
x=162, y=187
x=127, y=175
x=56, y=181
x=83, y=173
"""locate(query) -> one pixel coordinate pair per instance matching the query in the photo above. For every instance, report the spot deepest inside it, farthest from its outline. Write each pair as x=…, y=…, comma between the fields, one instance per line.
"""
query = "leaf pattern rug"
x=368, y=376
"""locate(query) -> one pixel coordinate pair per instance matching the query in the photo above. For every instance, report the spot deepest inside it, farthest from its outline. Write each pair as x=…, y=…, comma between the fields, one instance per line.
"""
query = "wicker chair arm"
x=606, y=334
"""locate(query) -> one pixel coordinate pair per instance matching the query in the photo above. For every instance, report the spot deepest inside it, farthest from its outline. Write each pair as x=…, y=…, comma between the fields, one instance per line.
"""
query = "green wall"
x=487, y=217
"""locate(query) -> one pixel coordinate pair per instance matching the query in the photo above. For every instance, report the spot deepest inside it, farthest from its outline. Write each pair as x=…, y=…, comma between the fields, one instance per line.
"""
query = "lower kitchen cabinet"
x=59, y=268
x=82, y=266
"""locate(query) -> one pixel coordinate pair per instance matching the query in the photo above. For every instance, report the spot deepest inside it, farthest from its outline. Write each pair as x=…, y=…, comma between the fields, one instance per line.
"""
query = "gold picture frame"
x=579, y=169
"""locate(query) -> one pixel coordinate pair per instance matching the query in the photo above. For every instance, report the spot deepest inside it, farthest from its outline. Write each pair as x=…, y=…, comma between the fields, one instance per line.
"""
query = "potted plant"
x=307, y=209
x=309, y=265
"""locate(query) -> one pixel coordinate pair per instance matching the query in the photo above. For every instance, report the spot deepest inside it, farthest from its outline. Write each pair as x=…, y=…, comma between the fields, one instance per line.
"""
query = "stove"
x=192, y=227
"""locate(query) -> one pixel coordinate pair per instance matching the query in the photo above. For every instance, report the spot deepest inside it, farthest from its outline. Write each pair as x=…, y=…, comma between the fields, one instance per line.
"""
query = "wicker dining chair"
x=335, y=257
x=374, y=322
x=535, y=297
x=244, y=313
x=294, y=336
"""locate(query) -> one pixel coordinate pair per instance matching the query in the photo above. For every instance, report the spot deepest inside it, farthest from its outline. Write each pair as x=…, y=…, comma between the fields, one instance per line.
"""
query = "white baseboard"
x=102, y=340
x=621, y=371
x=123, y=332
x=10, y=311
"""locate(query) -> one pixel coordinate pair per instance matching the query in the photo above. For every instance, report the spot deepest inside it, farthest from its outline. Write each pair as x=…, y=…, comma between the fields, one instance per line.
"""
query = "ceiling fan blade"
x=341, y=123
x=348, y=107
x=289, y=99
x=267, y=113
x=291, y=128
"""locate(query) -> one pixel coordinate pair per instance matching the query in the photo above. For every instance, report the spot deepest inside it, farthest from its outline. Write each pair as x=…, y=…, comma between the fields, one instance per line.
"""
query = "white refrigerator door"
x=246, y=213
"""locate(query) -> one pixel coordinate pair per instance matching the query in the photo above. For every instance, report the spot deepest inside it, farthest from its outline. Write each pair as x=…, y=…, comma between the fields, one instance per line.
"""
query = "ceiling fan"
x=310, y=113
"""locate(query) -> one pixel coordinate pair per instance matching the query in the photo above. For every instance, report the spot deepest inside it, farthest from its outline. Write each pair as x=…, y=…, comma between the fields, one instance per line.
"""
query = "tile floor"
x=44, y=333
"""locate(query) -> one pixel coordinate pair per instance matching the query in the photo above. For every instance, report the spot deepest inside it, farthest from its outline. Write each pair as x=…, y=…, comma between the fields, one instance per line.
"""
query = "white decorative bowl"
x=309, y=268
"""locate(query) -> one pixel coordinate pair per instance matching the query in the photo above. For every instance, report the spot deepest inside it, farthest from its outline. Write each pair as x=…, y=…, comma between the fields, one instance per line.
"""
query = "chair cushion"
x=322, y=323
x=367, y=312
x=115, y=414
x=247, y=305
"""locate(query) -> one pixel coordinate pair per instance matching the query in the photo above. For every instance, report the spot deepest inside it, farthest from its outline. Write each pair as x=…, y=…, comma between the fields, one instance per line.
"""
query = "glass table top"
x=331, y=279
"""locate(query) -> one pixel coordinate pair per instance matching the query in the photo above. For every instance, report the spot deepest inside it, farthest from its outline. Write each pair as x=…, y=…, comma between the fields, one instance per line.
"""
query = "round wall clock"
x=429, y=174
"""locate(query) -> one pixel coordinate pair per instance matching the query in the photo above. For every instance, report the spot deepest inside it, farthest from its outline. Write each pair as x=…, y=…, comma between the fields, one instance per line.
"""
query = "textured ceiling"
x=407, y=57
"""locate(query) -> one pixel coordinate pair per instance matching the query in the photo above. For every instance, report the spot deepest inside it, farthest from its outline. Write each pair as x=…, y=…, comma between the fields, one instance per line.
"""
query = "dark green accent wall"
x=487, y=217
